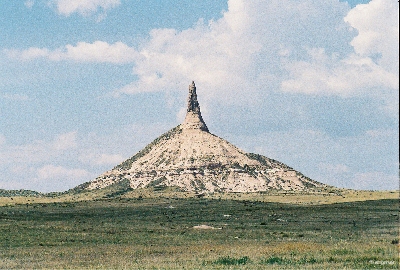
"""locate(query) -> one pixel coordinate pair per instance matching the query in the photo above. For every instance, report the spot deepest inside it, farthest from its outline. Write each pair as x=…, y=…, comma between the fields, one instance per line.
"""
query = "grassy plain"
x=155, y=230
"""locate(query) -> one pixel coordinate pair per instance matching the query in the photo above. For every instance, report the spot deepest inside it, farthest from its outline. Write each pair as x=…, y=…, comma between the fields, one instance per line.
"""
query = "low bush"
x=232, y=261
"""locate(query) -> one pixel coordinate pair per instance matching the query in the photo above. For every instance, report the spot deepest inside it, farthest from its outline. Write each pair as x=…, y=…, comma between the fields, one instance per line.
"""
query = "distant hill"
x=20, y=192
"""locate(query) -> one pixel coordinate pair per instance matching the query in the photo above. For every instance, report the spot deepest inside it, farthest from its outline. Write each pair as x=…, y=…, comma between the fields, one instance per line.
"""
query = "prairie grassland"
x=156, y=232
x=304, y=198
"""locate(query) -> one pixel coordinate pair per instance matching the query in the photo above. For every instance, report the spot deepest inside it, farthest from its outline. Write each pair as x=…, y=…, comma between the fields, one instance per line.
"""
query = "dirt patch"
x=205, y=227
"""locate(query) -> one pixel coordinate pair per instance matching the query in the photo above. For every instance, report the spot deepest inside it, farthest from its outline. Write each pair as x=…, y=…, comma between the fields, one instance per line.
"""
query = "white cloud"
x=50, y=177
x=383, y=134
x=327, y=75
x=27, y=54
x=373, y=65
x=375, y=181
x=258, y=47
x=57, y=172
x=98, y=51
x=29, y=3
x=30, y=166
x=31, y=153
x=38, y=151
x=43, y=178
x=84, y=7
x=2, y=139
x=101, y=159
x=261, y=46
x=334, y=168
x=378, y=31
x=15, y=97
x=65, y=141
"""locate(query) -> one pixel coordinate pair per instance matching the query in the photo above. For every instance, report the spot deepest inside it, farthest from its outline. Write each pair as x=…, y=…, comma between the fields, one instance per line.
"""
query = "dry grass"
x=291, y=197
x=295, y=197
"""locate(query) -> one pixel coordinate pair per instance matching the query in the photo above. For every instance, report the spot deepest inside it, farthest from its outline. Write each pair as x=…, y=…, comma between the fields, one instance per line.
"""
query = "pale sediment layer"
x=199, y=161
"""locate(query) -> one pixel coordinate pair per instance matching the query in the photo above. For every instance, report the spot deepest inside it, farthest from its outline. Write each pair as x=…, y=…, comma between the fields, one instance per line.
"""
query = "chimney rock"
x=193, y=120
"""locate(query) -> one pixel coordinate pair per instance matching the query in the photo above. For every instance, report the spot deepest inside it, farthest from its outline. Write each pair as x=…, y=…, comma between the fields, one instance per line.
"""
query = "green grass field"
x=157, y=232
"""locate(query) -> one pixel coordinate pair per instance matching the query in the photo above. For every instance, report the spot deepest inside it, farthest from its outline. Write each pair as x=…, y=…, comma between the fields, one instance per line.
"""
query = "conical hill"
x=192, y=159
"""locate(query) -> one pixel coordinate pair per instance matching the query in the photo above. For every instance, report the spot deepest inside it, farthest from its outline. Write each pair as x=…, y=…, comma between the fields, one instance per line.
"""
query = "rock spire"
x=193, y=119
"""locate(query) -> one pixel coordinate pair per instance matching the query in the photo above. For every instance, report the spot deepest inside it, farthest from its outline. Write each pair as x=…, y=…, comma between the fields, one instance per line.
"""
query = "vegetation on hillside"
x=166, y=136
x=19, y=192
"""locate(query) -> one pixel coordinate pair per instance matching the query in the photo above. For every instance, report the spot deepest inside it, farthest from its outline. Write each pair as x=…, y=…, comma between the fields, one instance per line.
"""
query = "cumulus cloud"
x=98, y=51
x=65, y=141
x=44, y=178
x=237, y=56
x=15, y=97
x=327, y=75
x=84, y=7
x=377, y=24
x=29, y=3
x=375, y=180
x=341, y=175
x=29, y=166
x=2, y=139
x=101, y=159
x=334, y=168
x=54, y=172
x=27, y=54
x=373, y=64
x=258, y=47
x=37, y=151
x=51, y=177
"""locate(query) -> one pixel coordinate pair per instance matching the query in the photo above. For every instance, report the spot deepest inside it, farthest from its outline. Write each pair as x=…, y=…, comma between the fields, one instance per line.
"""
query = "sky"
x=85, y=84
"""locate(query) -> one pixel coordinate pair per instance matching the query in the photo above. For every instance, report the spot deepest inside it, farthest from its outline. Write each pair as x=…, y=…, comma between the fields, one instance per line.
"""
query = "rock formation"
x=192, y=159
x=193, y=119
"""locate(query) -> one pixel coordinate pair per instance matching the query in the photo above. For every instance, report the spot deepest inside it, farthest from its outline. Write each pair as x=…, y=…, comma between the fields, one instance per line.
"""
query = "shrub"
x=276, y=260
x=232, y=261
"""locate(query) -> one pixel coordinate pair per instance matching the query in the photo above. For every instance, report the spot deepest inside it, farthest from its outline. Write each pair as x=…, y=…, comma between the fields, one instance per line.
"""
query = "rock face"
x=193, y=119
x=191, y=158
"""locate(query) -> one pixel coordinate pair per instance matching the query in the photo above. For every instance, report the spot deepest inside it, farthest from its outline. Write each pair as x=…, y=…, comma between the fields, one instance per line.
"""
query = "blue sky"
x=85, y=84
